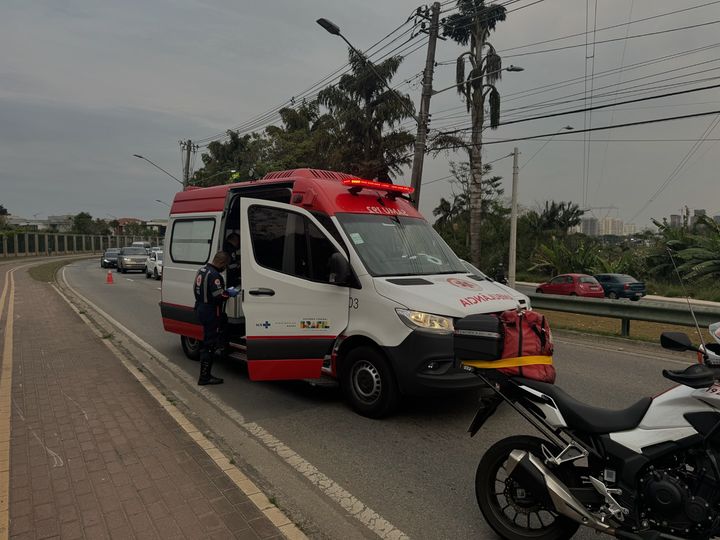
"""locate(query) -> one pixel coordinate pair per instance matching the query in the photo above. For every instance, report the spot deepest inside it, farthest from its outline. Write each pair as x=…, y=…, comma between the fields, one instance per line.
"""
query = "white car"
x=154, y=265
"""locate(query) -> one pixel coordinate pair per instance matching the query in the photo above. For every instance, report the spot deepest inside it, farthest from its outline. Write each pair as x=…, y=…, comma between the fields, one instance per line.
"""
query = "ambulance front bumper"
x=424, y=365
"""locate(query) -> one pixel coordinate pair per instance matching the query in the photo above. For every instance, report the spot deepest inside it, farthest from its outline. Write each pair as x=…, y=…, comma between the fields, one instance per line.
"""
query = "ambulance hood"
x=451, y=295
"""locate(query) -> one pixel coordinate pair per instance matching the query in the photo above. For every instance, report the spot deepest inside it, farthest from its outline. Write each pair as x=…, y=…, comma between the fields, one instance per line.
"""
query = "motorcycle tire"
x=513, y=513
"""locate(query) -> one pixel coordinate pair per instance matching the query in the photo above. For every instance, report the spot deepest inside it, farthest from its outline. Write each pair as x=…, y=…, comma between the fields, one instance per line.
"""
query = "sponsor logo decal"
x=198, y=280
x=480, y=298
x=463, y=283
x=264, y=325
x=217, y=282
x=314, y=324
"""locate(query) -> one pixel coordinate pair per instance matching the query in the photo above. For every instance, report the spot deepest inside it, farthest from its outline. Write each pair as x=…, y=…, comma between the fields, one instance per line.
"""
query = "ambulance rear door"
x=293, y=310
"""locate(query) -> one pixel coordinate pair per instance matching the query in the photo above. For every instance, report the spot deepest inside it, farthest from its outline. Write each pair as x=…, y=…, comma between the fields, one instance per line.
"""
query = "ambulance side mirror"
x=340, y=272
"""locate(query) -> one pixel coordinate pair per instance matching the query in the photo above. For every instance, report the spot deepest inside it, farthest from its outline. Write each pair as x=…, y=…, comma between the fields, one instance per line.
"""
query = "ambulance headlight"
x=426, y=321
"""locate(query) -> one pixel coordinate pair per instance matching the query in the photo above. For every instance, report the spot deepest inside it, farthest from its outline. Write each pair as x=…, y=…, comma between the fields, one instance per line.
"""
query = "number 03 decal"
x=353, y=303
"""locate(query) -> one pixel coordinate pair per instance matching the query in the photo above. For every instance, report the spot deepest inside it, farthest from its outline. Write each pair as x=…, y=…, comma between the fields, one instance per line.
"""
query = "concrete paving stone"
x=68, y=513
x=221, y=505
x=235, y=496
x=29, y=535
x=246, y=534
x=211, y=522
x=87, y=501
x=263, y=527
x=21, y=524
x=64, y=498
x=249, y=510
x=44, y=511
x=140, y=522
x=115, y=519
x=71, y=530
x=91, y=517
x=20, y=508
x=234, y=521
x=157, y=510
x=168, y=529
x=123, y=533
x=222, y=534
x=47, y=528
x=96, y=532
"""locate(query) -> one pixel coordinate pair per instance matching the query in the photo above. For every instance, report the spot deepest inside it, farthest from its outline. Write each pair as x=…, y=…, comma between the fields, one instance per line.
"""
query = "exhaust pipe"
x=528, y=468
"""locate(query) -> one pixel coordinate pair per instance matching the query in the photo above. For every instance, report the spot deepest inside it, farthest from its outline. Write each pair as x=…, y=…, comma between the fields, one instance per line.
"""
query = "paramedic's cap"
x=221, y=259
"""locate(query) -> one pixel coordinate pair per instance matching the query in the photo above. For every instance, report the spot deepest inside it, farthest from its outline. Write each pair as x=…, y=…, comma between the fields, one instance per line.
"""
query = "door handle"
x=262, y=291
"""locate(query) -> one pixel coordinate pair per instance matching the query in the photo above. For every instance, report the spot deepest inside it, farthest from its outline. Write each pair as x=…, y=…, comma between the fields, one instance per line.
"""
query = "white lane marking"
x=128, y=279
x=334, y=491
x=356, y=508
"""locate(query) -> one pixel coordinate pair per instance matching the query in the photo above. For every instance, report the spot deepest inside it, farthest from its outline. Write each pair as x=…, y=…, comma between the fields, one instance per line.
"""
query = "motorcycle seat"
x=587, y=418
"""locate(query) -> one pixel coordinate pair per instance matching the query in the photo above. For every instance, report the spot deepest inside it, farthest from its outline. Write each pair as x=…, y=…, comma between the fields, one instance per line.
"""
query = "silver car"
x=131, y=258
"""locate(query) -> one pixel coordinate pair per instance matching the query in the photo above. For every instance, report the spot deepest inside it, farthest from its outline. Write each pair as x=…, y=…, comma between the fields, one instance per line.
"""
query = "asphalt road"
x=415, y=469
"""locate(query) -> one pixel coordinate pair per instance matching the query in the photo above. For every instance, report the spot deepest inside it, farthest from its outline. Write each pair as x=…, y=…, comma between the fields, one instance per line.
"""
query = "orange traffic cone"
x=109, y=278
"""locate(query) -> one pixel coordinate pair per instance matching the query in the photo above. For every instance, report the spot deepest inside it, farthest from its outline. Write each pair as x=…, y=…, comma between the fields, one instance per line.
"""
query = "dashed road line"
x=331, y=489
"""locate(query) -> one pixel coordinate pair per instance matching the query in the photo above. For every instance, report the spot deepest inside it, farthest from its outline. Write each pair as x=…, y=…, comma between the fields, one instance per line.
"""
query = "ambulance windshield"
x=399, y=245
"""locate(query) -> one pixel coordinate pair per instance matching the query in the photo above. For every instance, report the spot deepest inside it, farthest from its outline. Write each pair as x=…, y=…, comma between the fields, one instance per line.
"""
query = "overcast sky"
x=85, y=84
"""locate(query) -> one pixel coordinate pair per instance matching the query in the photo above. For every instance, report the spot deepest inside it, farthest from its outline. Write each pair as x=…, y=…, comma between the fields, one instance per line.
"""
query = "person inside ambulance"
x=210, y=296
x=231, y=246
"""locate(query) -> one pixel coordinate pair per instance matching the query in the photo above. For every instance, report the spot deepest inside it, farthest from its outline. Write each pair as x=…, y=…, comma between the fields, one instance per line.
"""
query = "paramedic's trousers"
x=212, y=319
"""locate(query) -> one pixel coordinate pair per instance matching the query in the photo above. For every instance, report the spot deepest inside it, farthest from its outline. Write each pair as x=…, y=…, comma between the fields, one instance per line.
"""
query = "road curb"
x=245, y=484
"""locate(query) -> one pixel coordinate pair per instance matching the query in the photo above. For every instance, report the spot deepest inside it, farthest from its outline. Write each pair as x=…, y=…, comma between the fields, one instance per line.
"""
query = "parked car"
x=131, y=258
x=156, y=248
x=153, y=265
x=573, y=285
x=621, y=286
x=109, y=258
x=145, y=245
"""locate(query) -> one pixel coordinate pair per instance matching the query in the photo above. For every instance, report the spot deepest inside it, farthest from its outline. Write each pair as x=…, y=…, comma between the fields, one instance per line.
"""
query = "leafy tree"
x=368, y=140
x=701, y=257
x=3, y=216
x=3, y=211
x=240, y=153
x=472, y=25
x=562, y=255
x=82, y=223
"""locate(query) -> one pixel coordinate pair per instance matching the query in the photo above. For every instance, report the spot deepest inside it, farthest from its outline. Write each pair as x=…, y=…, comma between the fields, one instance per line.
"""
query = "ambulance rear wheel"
x=369, y=384
x=191, y=347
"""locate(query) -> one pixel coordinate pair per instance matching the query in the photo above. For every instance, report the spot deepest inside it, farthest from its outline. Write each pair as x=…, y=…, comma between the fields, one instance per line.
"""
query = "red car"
x=573, y=285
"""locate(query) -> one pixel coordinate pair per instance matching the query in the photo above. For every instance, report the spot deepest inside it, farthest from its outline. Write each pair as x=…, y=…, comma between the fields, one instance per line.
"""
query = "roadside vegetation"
x=46, y=272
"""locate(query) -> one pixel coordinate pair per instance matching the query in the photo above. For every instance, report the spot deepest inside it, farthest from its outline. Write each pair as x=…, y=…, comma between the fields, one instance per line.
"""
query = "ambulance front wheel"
x=369, y=384
x=191, y=347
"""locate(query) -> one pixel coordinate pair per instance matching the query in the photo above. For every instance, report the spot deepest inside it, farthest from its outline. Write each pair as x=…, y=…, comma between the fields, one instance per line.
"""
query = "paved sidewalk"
x=93, y=454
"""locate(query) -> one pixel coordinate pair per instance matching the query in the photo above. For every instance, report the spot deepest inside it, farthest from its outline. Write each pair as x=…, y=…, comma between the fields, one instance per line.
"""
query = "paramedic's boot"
x=205, y=367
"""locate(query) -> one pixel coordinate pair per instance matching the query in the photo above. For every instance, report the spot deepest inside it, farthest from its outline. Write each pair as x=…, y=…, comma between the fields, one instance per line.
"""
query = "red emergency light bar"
x=358, y=184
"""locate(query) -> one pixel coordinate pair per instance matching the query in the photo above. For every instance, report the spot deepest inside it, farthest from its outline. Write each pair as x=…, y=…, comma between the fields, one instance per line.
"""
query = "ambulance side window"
x=191, y=240
x=288, y=242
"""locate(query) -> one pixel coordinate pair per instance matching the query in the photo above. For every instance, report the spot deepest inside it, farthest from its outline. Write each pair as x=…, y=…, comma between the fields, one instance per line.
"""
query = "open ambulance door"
x=293, y=311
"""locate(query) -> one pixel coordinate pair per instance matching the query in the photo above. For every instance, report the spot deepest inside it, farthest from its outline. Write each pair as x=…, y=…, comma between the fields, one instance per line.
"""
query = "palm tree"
x=701, y=259
x=369, y=141
x=472, y=25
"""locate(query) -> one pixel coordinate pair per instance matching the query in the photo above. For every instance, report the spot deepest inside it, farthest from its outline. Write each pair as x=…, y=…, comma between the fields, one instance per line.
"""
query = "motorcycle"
x=647, y=472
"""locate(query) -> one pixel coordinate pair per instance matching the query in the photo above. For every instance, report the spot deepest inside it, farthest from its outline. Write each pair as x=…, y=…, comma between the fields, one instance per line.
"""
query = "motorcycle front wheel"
x=510, y=509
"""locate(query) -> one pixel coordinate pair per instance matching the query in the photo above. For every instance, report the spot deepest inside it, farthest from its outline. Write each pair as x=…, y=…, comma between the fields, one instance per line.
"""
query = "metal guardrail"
x=670, y=313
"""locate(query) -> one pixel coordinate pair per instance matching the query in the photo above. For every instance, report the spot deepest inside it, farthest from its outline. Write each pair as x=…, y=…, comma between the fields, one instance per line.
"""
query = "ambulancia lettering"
x=386, y=211
x=479, y=298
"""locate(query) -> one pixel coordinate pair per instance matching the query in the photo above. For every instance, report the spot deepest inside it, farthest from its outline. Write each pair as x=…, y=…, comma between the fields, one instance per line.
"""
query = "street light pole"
x=159, y=167
x=512, y=256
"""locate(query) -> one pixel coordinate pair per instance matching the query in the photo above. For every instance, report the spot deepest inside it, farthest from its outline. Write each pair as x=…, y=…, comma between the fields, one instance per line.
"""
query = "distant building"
x=696, y=214
x=629, y=229
x=716, y=218
x=589, y=226
x=158, y=226
x=675, y=221
x=611, y=226
x=62, y=223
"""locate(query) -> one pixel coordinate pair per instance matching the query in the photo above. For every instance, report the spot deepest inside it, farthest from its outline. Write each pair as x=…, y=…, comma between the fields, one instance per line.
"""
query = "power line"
x=612, y=40
x=681, y=164
x=599, y=128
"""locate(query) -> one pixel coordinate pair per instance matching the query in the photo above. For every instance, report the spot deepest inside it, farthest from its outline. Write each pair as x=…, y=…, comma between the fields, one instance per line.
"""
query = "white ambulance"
x=341, y=278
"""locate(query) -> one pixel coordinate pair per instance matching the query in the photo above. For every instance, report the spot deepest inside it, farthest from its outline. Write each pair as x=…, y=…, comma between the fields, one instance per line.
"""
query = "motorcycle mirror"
x=714, y=330
x=676, y=341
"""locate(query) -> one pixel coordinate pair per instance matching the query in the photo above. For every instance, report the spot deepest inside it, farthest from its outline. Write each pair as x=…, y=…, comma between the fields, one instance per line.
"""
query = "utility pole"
x=187, y=147
x=422, y=128
x=512, y=256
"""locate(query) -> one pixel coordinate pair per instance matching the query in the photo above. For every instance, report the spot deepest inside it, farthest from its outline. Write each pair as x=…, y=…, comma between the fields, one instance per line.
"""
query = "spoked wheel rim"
x=516, y=506
x=366, y=381
x=192, y=343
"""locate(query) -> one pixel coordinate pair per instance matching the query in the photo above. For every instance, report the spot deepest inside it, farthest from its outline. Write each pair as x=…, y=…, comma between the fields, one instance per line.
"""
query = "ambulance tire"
x=369, y=383
x=191, y=347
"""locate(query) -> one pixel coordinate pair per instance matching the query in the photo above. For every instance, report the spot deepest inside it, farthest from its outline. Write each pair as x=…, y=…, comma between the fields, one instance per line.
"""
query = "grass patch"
x=46, y=272
x=640, y=330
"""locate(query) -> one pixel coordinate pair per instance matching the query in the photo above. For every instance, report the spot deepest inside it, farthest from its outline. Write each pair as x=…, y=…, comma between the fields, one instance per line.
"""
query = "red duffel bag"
x=527, y=340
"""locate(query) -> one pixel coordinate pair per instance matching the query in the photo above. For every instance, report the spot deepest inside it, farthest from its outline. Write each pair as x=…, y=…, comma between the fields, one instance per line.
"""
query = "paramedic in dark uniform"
x=210, y=296
x=231, y=245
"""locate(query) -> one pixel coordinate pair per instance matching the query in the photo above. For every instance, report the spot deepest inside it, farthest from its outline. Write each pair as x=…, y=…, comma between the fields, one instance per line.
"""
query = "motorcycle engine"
x=682, y=498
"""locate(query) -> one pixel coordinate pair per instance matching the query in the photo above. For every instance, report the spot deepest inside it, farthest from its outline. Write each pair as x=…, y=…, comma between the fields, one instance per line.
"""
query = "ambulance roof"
x=312, y=189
